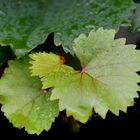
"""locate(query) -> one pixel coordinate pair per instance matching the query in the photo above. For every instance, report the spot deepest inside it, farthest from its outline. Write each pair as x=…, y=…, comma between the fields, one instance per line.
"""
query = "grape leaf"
x=25, y=24
x=24, y=103
x=107, y=80
x=54, y=65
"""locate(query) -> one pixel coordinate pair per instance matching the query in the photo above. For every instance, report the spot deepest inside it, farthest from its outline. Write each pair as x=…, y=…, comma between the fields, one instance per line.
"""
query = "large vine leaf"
x=107, y=80
x=25, y=24
x=24, y=103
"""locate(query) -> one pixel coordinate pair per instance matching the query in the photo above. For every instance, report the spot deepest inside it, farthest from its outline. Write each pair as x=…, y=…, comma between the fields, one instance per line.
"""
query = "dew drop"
x=37, y=108
x=42, y=115
x=2, y=13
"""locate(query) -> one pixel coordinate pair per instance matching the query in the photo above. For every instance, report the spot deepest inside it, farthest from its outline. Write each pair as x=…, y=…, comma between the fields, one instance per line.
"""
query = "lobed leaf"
x=23, y=101
x=107, y=80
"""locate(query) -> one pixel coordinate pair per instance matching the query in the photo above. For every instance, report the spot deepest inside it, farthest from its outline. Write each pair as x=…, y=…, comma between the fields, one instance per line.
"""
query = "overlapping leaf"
x=136, y=22
x=25, y=24
x=107, y=80
x=24, y=104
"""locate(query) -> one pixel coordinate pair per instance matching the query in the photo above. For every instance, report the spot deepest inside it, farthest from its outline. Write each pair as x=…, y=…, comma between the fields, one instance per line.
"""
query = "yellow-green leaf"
x=107, y=80
x=23, y=101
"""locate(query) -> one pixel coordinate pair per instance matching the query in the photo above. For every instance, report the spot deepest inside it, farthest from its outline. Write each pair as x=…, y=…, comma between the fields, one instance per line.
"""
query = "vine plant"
x=101, y=74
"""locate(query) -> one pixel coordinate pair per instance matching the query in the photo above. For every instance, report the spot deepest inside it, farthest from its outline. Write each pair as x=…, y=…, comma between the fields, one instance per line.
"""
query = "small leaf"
x=24, y=103
x=53, y=64
x=107, y=80
x=35, y=19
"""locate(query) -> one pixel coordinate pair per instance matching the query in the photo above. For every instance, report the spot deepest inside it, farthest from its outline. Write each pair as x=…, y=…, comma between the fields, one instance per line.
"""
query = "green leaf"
x=107, y=80
x=53, y=65
x=5, y=54
x=136, y=18
x=25, y=24
x=24, y=103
